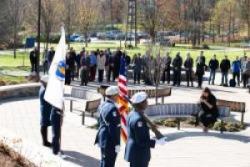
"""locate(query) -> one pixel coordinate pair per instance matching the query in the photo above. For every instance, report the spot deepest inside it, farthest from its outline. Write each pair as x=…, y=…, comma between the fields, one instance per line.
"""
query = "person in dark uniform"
x=209, y=113
x=166, y=72
x=45, y=109
x=200, y=70
x=117, y=59
x=137, y=68
x=72, y=63
x=108, y=135
x=84, y=70
x=225, y=67
x=56, y=120
x=188, y=64
x=34, y=60
x=68, y=70
x=213, y=65
x=51, y=55
x=138, y=145
x=177, y=64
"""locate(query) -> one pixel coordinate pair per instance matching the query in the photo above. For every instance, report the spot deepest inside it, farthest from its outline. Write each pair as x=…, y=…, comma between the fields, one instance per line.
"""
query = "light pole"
x=38, y=36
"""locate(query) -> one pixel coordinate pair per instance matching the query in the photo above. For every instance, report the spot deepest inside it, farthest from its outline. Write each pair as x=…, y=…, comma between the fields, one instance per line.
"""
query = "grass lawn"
x=23, y=57
x=183, y=49
x=7, y=59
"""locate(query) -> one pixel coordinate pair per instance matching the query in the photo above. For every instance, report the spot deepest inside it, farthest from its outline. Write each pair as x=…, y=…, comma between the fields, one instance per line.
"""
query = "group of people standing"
x=86, y=64
x=152, y=70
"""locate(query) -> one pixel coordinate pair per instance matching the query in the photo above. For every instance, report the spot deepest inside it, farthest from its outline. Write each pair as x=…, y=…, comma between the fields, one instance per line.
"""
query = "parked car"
x=164, y=41
x=82, y=39
x=73, y=37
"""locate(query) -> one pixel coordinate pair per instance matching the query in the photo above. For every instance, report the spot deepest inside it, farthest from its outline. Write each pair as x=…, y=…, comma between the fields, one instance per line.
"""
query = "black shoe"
x=47, y=144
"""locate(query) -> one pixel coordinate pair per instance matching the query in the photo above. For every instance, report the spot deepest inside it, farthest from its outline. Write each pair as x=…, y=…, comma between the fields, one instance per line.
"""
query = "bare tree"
x=15, y=10
x=245, y=14
x=87, y=17
x=50, y=17
x=70, y=17
x=4, y=28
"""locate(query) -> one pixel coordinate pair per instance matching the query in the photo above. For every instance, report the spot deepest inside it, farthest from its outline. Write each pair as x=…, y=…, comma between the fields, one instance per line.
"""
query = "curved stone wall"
x=22, y=90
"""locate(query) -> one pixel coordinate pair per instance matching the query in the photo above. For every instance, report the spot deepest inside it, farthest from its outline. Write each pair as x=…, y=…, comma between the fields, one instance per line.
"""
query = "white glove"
x=161, y=141
x=117, y=149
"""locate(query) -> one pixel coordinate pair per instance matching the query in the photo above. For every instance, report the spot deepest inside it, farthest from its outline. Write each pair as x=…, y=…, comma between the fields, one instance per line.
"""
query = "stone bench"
x=90, y=101
x=182, y=110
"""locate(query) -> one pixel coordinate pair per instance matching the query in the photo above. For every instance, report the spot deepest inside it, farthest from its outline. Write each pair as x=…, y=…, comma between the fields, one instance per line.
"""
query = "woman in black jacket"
x=209, y=113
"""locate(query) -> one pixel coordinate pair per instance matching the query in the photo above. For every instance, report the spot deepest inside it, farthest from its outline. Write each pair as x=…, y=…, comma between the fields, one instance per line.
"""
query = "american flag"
x=123, y=103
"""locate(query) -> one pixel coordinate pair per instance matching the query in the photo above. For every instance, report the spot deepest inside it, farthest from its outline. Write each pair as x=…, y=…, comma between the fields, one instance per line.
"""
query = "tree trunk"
x=229, y=26
x=248, y=29
x=15, y=40
x=86, y=40
x=47, y=40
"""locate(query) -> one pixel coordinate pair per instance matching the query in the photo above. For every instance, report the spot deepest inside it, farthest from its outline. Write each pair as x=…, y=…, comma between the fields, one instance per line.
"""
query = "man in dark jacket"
x=177, y=64
x=72, y=62
x=117, y=59
x=188, y=64
x=51, y=55
x=137, y=68
x=167, y=67
x=34, y=60
x=224, y=67
x=213, y=65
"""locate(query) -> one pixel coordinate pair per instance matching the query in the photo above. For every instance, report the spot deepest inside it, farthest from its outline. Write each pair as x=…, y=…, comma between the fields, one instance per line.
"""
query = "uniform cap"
x=45, y=78
x=112, y=90
x=139, y=97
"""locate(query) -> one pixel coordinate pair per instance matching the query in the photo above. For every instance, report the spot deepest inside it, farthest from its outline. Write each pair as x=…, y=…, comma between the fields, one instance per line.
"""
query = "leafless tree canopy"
x=193, y=19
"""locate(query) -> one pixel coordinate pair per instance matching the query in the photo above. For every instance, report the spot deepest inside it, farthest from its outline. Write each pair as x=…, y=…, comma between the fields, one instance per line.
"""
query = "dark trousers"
x=200, y=80
x=189, y=77
x=84, y=74
x=166, y=76
x=177, y=77
x=236, y=74
x=207, y=120
x=44, y=133
x=92, y=72
x=139, y=164
x=108, y=157
x=224, y=77
x=111, y=72
x=45, y=67
x=212, y=76
x=245, y=79
x=137, y=76
x=33, y=66
x=100, y=75
x=56, y=120
x=116, y=72
x=67, y=77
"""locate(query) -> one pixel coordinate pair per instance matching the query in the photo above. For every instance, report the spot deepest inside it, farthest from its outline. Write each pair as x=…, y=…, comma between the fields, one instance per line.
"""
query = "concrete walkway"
x=188, y=147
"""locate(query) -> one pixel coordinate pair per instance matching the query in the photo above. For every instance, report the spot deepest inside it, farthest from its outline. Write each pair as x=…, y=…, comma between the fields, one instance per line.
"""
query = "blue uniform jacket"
x=139, y=142
x=45, y=108
x=108, y=135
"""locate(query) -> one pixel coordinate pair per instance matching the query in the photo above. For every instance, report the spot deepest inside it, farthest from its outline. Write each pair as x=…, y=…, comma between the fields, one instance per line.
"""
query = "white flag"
x=55, y=88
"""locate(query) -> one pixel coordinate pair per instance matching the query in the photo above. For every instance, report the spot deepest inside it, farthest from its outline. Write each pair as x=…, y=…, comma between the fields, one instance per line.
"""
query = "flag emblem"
x=60, y=71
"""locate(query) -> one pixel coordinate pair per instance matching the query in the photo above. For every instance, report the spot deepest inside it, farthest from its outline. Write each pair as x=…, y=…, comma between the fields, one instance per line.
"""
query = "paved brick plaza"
x=186, y=148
